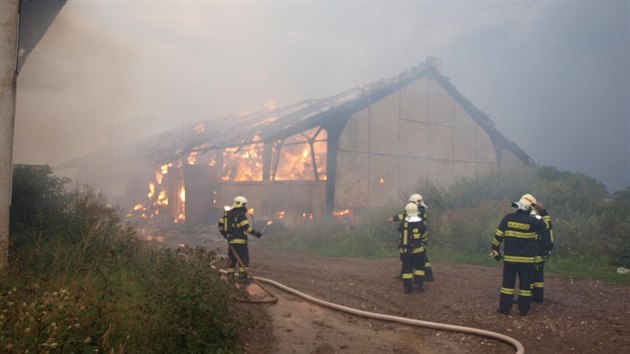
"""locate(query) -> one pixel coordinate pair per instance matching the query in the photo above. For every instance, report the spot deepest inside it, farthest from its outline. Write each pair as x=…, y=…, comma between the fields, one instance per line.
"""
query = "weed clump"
x=80, y=281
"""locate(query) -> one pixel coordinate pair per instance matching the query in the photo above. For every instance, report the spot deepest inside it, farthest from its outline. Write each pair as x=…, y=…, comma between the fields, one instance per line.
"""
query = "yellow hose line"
x=434, y=325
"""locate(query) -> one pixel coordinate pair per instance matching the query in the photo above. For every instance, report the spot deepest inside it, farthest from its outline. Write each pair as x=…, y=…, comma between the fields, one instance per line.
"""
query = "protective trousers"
x=538, y=285
x=243, y=253
x=525, y=274
x=412, y=270
x=428, y=271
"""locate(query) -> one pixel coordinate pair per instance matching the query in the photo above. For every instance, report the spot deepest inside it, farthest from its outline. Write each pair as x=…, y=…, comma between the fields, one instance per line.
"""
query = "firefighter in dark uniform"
x=519, y=233
x=234, y=227
x=543, y=251
x=422, y=210
x=413, y=234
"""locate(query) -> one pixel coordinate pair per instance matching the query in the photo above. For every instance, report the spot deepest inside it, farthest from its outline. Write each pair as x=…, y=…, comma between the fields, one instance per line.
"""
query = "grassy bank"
x=563, y=267
x=591, y=226
x=80, y=282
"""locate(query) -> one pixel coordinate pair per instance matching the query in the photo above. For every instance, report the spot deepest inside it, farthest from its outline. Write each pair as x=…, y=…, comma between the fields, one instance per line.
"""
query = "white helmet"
x=411, y=209
x=527, y=200
x=417, y=198
x=525, y=203
x=239, y=201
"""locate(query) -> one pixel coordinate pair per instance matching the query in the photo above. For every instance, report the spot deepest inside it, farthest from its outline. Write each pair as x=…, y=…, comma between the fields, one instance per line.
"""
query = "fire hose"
x=520, y=349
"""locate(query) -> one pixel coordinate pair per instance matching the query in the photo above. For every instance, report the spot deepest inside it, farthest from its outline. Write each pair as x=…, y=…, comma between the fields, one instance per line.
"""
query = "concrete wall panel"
x=441, y=105
x=413, y=139
x=465, y=135
x=412, y=172
x=440, y=171
x=384, y=121
x=485, y=147
x=383, y=184
x=355, y=136
x=483, y=168
x=510, y=161
x=351, y=188
x=465, y=145
x=440, y=142
x=414, y=101
x=464, y=169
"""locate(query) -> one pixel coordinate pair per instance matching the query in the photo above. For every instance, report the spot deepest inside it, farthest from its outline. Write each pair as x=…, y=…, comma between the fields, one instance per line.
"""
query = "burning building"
x=355, y=150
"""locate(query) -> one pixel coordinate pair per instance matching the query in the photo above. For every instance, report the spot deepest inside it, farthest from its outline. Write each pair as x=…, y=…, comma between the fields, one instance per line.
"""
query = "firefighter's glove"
x=494, y=254
x=257, y=234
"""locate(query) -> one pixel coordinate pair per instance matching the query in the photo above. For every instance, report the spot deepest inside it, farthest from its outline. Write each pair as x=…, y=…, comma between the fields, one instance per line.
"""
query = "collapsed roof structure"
x=358, y=149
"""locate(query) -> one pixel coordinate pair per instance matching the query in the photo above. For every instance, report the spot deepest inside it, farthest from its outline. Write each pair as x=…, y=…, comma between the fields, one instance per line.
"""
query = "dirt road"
x=578, y=316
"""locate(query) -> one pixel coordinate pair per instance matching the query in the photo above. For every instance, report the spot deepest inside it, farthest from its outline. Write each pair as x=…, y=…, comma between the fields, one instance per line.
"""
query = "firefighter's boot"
x=428, y=273
x=243, y=278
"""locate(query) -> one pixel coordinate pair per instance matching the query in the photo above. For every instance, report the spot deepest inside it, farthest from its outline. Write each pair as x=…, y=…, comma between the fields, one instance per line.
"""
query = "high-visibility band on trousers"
x=517, y=259
x=507, y=291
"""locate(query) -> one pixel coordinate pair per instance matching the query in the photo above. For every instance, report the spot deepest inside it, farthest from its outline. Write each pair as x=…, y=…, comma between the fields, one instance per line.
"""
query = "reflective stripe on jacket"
x=519, y=231
x=413, y=235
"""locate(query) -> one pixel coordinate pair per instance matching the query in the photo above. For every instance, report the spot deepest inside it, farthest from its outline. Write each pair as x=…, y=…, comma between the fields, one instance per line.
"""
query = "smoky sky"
x=553, y=76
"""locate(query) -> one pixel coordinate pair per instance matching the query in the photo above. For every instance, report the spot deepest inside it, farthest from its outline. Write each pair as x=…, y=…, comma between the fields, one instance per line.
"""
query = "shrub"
x=616, y=227
x=88, y=284
x=587, y=223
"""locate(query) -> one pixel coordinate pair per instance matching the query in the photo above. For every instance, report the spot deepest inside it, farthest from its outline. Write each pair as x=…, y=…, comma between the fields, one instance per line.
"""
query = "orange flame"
x=182, y=194
x=158, y=177
x=341, y=212
x=192, y=158
x=162, y=198
x=243, y=164
x=151, y=190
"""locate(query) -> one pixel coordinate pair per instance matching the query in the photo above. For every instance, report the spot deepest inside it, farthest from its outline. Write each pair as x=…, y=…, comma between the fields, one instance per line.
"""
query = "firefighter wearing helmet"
x=422, y=210
x=519, y=233
x=545, y=243
x=413, y=235
x=234, y=227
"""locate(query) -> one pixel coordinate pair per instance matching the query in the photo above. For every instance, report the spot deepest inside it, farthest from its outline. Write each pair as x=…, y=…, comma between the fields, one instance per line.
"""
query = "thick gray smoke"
x=553, y=76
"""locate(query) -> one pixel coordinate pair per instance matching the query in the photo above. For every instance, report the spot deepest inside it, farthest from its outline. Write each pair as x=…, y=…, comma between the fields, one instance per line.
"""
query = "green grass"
x=451, y=256
x=345, y=245
x=88, y=284
x=563, y=267
x=598, y=270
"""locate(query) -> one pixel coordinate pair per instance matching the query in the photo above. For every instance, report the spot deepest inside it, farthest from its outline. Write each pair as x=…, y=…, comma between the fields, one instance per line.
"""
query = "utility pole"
x=8, y=77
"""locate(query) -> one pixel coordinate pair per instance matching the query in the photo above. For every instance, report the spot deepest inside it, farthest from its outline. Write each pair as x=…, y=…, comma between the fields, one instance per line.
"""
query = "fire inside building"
x=352, y=151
